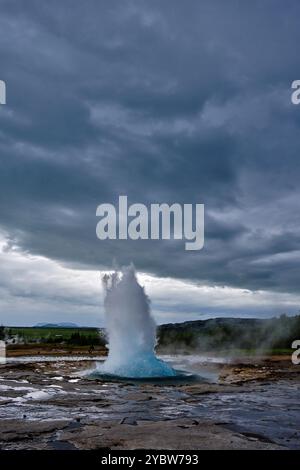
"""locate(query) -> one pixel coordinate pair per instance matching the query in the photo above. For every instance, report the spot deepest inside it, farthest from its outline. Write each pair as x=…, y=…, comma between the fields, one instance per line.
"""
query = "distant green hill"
x=56, y=325
x=228, y=334
x=217, y=334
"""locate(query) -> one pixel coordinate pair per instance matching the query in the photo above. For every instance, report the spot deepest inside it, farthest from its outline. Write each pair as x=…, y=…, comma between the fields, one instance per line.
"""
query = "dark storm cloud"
x=165, y=102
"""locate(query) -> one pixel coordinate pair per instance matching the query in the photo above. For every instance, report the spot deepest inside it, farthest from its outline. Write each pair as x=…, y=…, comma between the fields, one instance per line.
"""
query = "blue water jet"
x=131, y=330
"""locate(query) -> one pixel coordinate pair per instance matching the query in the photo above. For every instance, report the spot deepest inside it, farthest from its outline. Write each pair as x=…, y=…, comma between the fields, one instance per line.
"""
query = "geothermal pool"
x=52, y=404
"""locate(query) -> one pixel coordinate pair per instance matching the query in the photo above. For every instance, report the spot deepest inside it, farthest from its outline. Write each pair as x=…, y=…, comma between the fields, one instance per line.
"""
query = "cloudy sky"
x=167, y=101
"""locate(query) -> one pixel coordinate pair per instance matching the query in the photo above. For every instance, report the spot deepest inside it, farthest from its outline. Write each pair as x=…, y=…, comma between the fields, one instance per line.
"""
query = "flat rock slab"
x=12, y=430
x=172, y=435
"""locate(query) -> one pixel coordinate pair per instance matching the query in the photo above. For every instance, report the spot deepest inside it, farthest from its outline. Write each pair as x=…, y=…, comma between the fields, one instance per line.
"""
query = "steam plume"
x=131, y=329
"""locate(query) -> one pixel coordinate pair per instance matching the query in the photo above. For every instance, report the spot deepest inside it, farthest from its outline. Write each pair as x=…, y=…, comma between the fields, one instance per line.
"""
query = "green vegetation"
x=222, y=335
x=45, y=335
x=267, y=336
x=2, y=333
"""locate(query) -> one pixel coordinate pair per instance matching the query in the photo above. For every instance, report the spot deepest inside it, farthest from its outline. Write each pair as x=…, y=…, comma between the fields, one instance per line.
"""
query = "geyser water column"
x=131, y=329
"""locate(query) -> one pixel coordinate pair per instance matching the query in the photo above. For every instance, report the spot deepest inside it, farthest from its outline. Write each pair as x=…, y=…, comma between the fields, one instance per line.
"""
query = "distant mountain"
x=56, y=325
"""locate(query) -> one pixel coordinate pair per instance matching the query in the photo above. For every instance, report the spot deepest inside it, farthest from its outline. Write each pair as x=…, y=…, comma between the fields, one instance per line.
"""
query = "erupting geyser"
x=131, y=329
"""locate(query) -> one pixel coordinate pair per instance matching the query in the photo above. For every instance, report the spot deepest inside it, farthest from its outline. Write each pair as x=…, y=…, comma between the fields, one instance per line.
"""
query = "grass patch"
x=76, y=336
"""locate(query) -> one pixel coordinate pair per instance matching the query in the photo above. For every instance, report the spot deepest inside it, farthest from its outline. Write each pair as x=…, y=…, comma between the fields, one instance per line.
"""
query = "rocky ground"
x=230, y=405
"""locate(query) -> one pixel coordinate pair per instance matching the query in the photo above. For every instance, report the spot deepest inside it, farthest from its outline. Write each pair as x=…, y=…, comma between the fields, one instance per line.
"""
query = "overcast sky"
x=163, y=101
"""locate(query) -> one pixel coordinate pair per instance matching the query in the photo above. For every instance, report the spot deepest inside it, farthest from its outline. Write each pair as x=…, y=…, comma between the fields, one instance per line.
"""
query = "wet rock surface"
x=237, y=405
